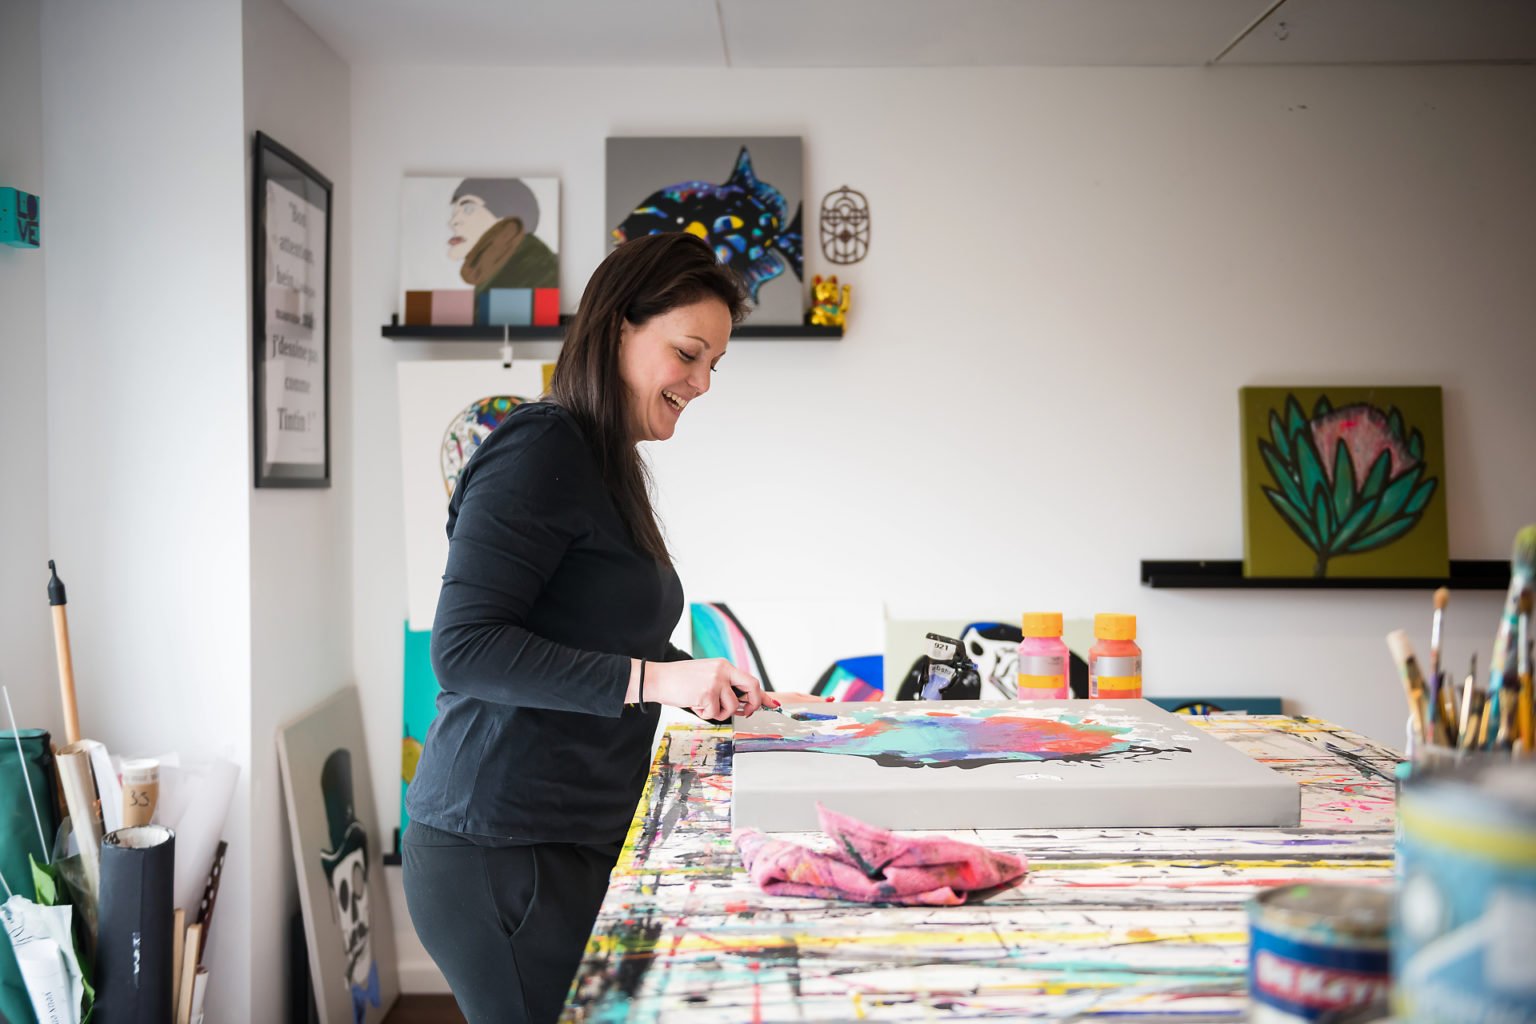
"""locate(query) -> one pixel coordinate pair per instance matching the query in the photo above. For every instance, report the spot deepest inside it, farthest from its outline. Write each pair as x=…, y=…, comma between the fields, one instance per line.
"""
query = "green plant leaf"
x=1295, y=420
x=1322, y=517
x=1376, y=477
x=1343, y=482
x=1313, y=481
x=1395, y=497
x=1352, y=525
x=1416, y=445
x=44, y=882
x=1420, y=498
x=1277, y=435
x=1283, y=475
x=1381, y=535
x=1322, y=408
x=1294, y=519
x=1395, y=423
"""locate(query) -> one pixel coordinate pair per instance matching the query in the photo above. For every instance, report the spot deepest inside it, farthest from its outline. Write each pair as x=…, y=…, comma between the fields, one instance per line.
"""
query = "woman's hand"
x=711, y=688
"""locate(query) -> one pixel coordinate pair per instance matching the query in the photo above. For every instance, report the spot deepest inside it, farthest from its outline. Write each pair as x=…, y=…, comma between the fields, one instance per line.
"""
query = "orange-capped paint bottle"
x=1114, y=661
x=1043, y=658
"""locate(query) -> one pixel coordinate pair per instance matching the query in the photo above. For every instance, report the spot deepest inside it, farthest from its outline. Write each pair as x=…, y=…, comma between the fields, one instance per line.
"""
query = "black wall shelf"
x=1465, y=575
x=397, y=331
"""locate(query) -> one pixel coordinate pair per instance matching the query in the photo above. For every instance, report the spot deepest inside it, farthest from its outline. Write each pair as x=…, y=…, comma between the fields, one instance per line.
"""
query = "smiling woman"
x=551, y=637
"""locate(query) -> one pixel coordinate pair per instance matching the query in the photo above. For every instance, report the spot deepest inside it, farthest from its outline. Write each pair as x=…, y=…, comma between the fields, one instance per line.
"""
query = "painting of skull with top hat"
x=331, y=816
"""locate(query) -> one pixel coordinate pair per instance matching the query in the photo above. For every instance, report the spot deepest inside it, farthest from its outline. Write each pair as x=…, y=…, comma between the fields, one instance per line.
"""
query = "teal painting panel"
x=421, y=692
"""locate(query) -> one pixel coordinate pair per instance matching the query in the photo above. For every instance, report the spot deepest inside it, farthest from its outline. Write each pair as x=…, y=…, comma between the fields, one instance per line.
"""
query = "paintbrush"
x=1466, y=729
x=1526, y=718
x=1413, y=683
x=1437, y=707
x=1522, y=578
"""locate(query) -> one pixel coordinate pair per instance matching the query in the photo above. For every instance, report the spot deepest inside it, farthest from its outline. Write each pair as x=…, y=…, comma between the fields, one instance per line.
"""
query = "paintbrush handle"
x=66, y=674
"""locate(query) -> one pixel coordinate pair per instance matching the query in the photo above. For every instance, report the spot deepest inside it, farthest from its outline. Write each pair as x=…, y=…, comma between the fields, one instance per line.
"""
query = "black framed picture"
x=291, y=306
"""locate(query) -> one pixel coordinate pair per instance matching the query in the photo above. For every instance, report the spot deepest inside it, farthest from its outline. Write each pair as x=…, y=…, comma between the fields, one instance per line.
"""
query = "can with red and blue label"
x=1318, y=949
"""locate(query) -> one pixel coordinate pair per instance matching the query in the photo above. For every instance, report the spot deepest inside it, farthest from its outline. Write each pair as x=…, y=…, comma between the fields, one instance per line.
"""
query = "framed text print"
x=291, y=339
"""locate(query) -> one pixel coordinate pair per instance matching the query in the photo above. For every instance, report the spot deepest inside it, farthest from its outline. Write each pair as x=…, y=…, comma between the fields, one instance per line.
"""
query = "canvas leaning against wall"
x=337, y=854
x=1343, y=482
x=480, y=250
x=741, y=195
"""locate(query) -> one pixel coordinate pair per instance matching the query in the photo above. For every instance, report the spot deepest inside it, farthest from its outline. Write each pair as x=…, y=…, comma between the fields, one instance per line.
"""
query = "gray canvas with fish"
x=740, y=194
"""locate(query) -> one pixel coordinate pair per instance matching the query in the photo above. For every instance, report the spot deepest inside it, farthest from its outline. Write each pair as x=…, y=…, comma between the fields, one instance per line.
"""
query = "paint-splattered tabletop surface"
x=1145, y=923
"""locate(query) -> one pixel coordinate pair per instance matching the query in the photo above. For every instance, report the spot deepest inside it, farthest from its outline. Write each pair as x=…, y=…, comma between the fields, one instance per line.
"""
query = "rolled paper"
x=141, y=790
x=108, y=789
x=194, y=800
x=45, y=954
x=135, y=943
x=79, y=787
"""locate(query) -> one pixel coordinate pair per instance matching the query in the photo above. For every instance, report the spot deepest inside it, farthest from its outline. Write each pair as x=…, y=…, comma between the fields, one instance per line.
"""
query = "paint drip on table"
x=933, y=737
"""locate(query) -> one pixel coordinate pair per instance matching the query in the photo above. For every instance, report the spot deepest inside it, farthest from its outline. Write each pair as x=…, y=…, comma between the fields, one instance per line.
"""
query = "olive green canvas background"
x=1271, y=548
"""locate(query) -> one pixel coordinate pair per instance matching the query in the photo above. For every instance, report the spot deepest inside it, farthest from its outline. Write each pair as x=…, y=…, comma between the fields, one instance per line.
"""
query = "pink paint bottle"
x=1114, y=661
x=1043, y=658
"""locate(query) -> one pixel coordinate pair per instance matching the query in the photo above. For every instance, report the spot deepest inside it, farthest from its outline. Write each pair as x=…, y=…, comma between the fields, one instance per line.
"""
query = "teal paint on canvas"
x=420, y=700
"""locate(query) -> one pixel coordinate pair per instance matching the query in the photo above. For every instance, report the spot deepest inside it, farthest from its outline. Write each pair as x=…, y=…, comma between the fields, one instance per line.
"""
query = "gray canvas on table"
x=997, y=764
x=740, y=194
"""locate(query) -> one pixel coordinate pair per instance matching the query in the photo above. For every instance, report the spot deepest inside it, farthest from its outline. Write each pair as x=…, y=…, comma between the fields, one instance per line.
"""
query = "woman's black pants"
x=506, y=922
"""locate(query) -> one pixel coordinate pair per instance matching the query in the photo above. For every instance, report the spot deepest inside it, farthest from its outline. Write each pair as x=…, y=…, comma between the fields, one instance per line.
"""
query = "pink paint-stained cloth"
x=874, y=865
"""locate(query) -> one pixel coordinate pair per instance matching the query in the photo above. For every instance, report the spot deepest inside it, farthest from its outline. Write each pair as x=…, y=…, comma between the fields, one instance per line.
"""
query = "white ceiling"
x=921, y=33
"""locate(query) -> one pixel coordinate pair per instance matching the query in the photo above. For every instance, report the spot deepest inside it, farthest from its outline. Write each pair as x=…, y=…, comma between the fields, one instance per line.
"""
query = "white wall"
x=26, y=644
x=1072, y=273
x=148, y=427
x=297, y=91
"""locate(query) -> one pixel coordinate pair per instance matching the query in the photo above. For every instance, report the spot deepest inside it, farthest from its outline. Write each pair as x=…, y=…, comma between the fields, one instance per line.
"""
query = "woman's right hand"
x=711, y=688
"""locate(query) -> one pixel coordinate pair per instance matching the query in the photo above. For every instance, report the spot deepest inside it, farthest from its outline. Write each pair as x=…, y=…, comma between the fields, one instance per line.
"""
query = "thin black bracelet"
x=642, y=684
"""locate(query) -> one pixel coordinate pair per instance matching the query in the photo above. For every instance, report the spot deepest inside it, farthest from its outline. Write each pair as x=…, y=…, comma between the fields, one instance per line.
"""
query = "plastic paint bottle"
x=1043, y=658
x=1114, y=662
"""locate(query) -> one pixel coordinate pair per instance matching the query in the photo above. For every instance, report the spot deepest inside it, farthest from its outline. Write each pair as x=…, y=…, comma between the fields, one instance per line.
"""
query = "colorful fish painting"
x=745, y=220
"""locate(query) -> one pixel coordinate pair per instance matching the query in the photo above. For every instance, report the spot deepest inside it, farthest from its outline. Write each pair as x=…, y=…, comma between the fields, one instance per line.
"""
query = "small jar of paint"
x=1114, y=661
x=1043, y=658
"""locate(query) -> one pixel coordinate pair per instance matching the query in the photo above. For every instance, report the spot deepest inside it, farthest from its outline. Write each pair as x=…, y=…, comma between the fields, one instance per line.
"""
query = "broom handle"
x=66, y=674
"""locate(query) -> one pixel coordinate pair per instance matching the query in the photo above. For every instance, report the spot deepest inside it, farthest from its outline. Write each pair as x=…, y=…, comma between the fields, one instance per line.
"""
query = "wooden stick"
x=57, y=599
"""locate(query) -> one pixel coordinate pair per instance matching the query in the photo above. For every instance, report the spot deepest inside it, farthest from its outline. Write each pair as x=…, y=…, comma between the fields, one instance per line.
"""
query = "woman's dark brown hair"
x=641, y=279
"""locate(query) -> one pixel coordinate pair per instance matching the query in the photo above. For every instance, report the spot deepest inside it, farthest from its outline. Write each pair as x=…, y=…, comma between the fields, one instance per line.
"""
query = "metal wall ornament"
x=844, y=226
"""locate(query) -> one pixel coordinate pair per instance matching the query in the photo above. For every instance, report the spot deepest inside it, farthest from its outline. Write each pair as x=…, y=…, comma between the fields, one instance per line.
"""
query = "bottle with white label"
x=1114, y=661
x=1043, y=658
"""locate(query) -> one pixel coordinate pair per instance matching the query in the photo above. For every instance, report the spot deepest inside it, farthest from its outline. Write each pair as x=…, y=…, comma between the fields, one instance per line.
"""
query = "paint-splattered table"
x=1144, y=923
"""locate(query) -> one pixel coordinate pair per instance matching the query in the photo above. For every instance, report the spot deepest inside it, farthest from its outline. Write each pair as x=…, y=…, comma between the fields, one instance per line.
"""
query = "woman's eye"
x=685, y=357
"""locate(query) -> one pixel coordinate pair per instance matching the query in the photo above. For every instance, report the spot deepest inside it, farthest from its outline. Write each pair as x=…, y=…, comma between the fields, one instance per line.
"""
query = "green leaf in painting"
x=1322, y=517
x=1416, y=445
x=1395, y=423
x=1295, y=420
x=1282, y=474
x=1343, y=482
x=1293, y=518
x=1376, y=477
x=1277, y=435
x=1381, y=535
x=1352, y=525
x=1421, y=496
x=1396, y=496
x=1312, y=479
x=1322, y=408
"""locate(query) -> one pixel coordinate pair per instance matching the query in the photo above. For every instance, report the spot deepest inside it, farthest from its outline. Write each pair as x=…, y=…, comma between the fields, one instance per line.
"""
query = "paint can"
x=1464, y=937
x=1317, y=949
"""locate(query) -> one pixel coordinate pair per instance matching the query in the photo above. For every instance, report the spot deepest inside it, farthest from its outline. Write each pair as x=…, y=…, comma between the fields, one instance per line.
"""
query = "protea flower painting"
x=1356, y=477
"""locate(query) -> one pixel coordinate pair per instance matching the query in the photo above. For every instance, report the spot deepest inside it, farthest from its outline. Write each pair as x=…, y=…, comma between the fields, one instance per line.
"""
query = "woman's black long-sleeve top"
x=545, y=600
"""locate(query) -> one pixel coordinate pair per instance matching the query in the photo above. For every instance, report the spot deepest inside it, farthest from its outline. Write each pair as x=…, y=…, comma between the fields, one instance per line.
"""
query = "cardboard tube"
x=74, y=762
x=141, y=790
x=134, y=946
